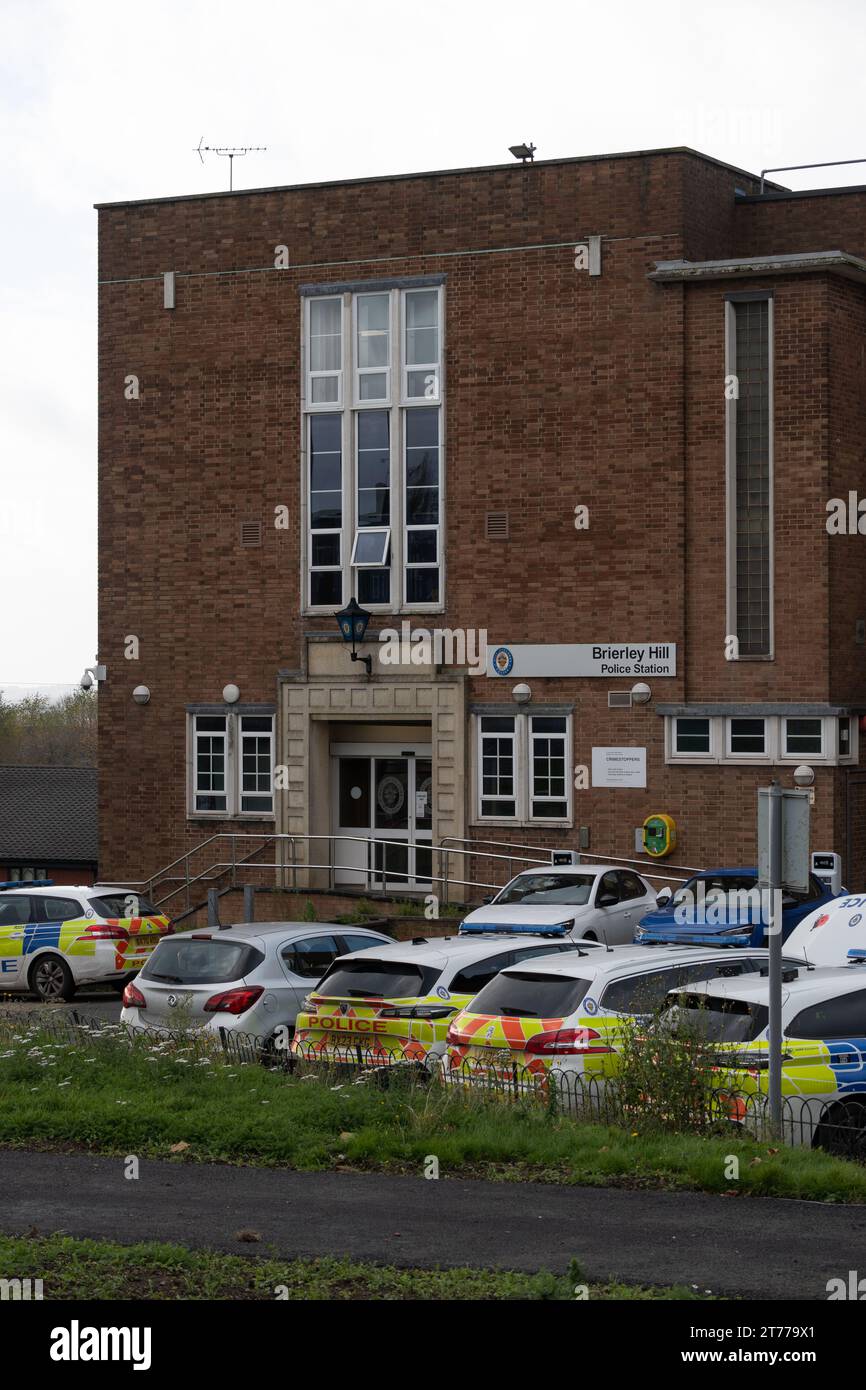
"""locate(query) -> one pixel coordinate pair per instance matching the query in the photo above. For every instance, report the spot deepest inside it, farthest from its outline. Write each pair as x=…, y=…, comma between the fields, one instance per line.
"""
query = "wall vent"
x=496, y=526
x=251, y=533
x=619, y=699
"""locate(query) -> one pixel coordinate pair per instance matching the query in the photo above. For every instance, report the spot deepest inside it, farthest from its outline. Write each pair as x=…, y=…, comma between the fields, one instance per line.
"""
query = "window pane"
x=422, y=332
x=421, y=547
x=374, y=468
x=326, y=550
x=374, y=586
x=803, y=736
x=326, y=587
x=753, y=470
x=422, y=385
x=692, y=736
x=844, y=737
x=422, y=586
x=373, y=506
x=422, y=426
x=325, y=335
x=747, y=736
x=324, y=390
x=326, y=510
x=422, y=506
x=373, y=386
x=371, y=548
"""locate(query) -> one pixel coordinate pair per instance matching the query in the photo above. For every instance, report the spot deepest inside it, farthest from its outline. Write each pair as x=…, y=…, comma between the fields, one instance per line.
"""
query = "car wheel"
x=50, y=979
x=120, y=985
x=842, y=1130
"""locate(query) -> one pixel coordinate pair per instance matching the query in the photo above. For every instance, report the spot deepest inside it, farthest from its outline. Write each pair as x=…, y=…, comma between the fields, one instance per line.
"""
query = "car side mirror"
x=664, y=896
x=606, y=900
x=485, y=901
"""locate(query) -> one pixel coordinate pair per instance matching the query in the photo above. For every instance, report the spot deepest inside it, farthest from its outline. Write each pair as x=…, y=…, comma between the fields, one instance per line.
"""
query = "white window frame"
x=232, y=753
x=385, y=532
x=349, y=411
x=380, y=402
x=767, y=754
x=785, y=756
x=673, y=754
x=309, y=403
x=242, y=736
x=523, y=738
x=567, y=769
x=429, y=369
x=853, y=755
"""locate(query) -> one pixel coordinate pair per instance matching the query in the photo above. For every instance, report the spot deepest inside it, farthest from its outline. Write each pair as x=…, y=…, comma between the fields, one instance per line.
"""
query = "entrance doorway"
x=383, y=792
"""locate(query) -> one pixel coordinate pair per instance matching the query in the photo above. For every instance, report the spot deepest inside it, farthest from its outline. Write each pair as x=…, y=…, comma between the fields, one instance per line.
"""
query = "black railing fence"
x=837, y=1125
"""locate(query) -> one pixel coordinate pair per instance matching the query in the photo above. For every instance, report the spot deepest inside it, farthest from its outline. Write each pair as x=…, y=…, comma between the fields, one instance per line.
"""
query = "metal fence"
x=837, y=1125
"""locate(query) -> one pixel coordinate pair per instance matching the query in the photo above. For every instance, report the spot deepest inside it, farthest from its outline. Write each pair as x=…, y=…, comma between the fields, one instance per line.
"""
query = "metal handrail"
x=583, y=853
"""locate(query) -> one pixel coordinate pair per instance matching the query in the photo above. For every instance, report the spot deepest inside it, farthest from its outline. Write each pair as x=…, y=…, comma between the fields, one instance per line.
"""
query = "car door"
x=304, y=961
x=632, y=903
x=610, y=923
x=16, y=914
x=796, y=906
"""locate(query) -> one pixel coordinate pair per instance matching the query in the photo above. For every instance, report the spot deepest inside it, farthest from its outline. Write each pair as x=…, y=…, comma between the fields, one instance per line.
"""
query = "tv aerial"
x=229, y=152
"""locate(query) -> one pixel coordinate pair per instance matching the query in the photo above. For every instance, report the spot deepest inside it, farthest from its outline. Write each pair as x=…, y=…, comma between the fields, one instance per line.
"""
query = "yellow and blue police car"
x=55, y=938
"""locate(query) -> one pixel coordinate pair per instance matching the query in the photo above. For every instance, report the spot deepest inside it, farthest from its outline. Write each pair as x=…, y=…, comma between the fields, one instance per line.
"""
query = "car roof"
x=441, y=950
x=818, y=980
x=750, y=869
x=58, y=889
x=245, y=931
x=572, y=868
x=625, y=958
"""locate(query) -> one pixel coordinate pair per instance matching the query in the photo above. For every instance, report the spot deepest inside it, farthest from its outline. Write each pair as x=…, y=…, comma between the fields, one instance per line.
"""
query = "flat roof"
x=440, y=173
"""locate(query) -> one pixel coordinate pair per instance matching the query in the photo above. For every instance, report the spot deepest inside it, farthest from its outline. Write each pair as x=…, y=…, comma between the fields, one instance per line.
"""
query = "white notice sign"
x=619, y=767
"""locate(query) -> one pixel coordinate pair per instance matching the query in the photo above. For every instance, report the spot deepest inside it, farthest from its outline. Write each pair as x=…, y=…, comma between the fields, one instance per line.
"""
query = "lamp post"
x=352, y=621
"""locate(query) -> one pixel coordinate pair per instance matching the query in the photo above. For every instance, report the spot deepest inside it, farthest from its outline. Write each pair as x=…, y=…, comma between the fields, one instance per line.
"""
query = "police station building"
x=583, y=441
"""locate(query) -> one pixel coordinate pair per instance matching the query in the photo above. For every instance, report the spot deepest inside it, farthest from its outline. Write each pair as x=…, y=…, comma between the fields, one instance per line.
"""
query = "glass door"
x=386, y=797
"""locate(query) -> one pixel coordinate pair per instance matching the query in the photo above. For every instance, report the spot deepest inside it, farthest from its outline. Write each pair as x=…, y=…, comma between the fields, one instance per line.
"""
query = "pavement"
x=760, y=1248
x=95, y=1001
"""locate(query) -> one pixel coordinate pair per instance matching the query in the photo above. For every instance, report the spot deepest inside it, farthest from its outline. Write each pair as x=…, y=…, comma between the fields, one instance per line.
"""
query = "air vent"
x=496, y=526
x=619, y=699
x=251, y=533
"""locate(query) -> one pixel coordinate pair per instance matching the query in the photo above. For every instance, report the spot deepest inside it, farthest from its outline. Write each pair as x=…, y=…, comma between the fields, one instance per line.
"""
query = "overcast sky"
x=105, y=101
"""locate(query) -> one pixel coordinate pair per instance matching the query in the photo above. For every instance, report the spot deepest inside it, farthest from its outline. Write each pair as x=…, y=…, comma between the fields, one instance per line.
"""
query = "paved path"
x=757, y=1248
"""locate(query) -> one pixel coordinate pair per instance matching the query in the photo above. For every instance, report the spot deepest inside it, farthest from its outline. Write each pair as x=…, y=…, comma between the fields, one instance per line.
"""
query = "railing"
x=289, y=861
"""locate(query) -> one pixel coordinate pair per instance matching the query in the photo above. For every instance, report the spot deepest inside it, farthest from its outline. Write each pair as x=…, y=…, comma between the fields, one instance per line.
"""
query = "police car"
x=823, y=1048
x=55, y=938
x=568, y=1011
x=395, y=1004
x=827, y=935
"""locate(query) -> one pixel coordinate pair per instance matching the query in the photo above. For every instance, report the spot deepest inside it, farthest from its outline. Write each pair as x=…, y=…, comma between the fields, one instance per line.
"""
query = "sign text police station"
x=583, y=659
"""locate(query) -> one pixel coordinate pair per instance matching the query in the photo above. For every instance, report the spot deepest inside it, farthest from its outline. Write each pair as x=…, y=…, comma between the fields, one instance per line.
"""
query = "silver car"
x=248, y=978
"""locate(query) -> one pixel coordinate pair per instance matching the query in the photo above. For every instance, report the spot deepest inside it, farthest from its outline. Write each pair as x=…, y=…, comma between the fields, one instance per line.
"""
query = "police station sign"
x=606, y=659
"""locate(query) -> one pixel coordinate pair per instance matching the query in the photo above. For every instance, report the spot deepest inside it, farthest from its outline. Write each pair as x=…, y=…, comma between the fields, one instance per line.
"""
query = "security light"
x=523, y=152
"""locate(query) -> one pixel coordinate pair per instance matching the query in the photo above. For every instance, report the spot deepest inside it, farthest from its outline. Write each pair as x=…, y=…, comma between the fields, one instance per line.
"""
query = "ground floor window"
x=232, y=764
x=753, y=737
x=523, y=767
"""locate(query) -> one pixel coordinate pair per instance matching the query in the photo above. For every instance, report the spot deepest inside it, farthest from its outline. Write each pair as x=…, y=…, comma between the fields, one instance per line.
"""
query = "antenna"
x=228, y=152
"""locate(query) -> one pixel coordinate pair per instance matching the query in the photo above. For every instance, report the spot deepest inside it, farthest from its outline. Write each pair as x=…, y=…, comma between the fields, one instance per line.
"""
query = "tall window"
x=750, y=483
x=523, y=767
x=373, y=421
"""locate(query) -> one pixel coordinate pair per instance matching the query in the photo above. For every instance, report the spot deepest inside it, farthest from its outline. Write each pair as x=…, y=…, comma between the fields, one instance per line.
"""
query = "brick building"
x=585, y=403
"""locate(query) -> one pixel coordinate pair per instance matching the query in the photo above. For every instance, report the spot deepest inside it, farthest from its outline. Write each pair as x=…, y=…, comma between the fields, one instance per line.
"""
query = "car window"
x=190, y=960
x=60, y=909
x=534, y=890
x=364, y=978
x=609, y=884
x=716, y=1019
x=474, y=977
x=714, y=887
x=630, y=885
x=122, y=905
x=311, y=956
x=842, y=1017
x=643, y=993
x=357, y=943
x=514, y=995
x=15, y=909
x=791, y=898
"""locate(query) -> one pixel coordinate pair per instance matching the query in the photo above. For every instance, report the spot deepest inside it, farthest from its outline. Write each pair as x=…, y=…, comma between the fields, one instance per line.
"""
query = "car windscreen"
x=180, y=960
x=712, y=888
x=534, y=890
x=516, y=994
x=716, y=1018
x=378, y=979
x=123, y=905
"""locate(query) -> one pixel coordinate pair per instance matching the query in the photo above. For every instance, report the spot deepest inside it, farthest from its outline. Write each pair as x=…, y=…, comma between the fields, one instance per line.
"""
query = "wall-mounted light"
x=231, y=694
x=141, y=695
x=521, y=694
x=804, y=775
x=641, y=693
x=352, y=622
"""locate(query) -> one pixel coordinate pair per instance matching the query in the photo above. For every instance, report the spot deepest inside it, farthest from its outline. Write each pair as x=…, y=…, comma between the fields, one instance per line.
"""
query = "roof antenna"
x=229, y=152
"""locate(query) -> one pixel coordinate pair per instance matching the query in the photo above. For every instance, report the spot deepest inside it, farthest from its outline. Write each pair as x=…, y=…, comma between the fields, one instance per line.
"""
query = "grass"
x=115, y=1098
x=90, y=1269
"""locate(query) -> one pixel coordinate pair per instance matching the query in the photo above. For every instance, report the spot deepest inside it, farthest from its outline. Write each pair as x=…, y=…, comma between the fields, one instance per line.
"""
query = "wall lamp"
x=352, y=621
